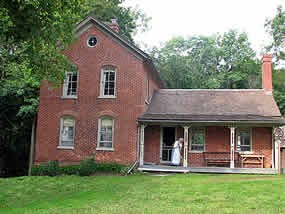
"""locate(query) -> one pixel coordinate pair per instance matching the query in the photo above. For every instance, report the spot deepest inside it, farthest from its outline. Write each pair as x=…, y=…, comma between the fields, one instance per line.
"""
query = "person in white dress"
x=175, y=155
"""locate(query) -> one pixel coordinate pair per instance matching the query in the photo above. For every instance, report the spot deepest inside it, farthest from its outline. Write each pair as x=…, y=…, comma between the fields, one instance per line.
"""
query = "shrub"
x=87, y=167
x=50, y=168
x=70, y=170
x=109, y=167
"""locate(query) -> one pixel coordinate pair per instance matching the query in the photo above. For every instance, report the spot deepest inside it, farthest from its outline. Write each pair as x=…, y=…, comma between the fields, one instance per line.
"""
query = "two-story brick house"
x=114, y=108
x=95, y=111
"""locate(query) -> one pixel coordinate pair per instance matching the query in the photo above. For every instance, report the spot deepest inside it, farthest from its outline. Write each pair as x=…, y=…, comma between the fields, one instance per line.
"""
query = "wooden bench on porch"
x=252, y=159
x=221, y=159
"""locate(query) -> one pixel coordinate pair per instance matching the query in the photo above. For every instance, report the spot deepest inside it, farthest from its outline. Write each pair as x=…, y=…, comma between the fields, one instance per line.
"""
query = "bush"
x=109, y=167
x=70, y=170
x=87, y=167
x=50, y=168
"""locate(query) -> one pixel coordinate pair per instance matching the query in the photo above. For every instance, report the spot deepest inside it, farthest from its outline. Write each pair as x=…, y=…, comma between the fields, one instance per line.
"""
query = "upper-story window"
x=91, y=41
x=67, y=125
x=108, y=82
x=70, y=84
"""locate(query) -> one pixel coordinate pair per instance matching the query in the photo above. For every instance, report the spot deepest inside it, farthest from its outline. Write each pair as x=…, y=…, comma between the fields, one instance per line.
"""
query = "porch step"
x=225, y=170
x=161, y=168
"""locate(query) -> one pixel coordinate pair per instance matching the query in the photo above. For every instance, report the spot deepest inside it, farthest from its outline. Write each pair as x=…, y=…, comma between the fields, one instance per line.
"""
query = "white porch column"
x=186, y=137
x=142, y=127
x=232, y=141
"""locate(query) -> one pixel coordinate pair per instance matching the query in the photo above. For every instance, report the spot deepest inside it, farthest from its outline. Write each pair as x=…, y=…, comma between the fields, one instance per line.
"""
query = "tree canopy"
x=221, y=61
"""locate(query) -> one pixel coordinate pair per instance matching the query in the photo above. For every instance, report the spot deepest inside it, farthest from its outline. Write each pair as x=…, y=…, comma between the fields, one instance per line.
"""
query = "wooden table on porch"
x=252, y=159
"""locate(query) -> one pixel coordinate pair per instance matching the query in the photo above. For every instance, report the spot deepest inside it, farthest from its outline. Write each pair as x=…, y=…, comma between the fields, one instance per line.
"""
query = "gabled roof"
x=91, y=20
x=218, y=105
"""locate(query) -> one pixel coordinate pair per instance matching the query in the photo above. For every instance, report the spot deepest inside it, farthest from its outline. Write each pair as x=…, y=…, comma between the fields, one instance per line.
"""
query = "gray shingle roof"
x=212, y=105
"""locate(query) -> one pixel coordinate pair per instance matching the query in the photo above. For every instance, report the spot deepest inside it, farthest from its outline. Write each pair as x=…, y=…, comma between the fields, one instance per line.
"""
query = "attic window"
x=91, y=41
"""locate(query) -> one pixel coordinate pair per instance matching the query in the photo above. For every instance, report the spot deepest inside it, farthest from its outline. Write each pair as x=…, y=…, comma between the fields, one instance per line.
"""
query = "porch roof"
x=220, y=105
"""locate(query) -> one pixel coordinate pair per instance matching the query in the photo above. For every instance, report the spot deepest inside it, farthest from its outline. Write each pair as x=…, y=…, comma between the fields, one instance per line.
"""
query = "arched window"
x=105, y=133
x=108, y=82
x=67, y=130
x=70, y=85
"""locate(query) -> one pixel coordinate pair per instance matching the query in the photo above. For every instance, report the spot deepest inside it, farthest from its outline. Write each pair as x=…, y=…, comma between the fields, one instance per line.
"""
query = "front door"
x=167, y=140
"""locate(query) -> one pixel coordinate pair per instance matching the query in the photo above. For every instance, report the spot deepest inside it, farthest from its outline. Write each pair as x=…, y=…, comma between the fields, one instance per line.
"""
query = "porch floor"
x=164, y=168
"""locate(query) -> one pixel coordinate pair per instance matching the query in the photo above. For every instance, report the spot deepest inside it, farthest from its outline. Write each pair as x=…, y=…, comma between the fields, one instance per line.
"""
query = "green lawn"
x=183, y=193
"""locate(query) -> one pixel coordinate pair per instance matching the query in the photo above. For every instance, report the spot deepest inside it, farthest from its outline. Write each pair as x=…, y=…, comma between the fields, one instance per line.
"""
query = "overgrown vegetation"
x=85, y=168
x=187, y=193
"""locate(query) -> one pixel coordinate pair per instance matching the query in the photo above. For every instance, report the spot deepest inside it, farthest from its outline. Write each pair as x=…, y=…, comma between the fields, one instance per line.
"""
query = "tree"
x=276, y=28
x=221, y=61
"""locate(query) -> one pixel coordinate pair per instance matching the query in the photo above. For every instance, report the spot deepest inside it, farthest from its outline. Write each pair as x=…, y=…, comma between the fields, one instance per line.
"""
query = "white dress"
x=175, y=157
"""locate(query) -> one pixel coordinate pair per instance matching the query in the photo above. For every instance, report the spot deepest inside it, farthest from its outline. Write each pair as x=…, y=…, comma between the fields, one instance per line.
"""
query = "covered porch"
x=210, y=148
x=224, y=130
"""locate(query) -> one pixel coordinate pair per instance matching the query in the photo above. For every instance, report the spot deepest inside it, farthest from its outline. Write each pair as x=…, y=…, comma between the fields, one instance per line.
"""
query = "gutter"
x=214, y=121
x=137, y=156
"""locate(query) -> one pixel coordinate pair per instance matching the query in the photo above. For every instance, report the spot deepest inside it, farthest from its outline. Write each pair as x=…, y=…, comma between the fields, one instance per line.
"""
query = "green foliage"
x=69, y=170
x=222, y=61
x=279, y=88
x=50, y=168
x=87, y=167
x=276, y=28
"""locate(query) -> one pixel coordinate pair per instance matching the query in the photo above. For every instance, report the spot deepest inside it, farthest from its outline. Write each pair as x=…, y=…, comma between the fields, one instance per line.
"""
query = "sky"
x=170, y=18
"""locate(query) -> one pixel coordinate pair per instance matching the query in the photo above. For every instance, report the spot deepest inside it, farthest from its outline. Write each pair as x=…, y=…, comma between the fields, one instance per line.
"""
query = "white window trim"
x=87, y=41
x=201, y=129
x=250, y=133
x=60, y=130
x=64, y=94
x=102, y=87
x=98, y=148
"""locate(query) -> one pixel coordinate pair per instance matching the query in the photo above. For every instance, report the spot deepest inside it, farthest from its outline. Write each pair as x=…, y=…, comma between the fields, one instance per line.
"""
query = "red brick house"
x=114, y=109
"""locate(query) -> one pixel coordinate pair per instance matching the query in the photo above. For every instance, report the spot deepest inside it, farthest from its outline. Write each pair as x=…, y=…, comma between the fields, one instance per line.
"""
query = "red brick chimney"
x=267, y=73
x=114, y=25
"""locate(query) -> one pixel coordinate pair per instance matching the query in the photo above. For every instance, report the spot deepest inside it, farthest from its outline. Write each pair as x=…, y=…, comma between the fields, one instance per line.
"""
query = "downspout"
x=137, y=155
x=32, y=145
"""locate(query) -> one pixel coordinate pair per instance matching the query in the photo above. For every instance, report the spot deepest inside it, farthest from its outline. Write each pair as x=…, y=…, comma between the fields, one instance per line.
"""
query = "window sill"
x=69, y=97
x=105, y=149
x=107, y=97
x=196, y=151
x=65, y=147
x=246, y=153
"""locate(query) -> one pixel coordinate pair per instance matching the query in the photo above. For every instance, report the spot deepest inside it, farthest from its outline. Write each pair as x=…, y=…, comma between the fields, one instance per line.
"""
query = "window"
x=106, y=132
x=92, y=41
x=70, y=84
x=67, y=132
x=108, y=82
x=243, y=141
x=198, y=139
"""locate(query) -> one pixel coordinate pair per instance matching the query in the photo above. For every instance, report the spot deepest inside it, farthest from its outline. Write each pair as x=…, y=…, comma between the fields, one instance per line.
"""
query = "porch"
x=208, y=148
x=222, y=170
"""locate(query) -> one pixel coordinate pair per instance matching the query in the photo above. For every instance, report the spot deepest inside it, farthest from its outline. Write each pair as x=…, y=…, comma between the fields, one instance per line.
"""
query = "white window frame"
x=238, y=130
x=102, y=82
x=197, y=130
x=98, y=134
x=65, y=86
x=60, y=146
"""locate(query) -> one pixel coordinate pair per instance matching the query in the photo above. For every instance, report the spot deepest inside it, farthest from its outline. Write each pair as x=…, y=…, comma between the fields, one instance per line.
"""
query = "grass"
x=183, y=193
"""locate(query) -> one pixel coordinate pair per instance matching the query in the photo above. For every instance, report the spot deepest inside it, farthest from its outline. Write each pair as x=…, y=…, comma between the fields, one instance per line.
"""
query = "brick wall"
x=217, y=140
x=88, y=108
